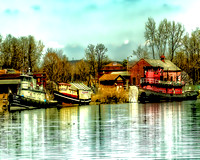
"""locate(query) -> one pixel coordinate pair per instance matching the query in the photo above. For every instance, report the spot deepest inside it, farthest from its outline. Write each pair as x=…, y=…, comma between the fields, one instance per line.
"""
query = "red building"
x=111, y=67
x=170, y=71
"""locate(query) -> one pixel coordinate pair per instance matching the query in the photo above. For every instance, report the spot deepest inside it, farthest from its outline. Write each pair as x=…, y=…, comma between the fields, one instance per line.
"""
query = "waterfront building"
x=111, y=81
x=170, y=71
x=111, y=67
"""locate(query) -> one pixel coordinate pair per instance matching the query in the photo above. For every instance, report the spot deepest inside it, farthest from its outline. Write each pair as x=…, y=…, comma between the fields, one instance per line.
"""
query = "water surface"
x=169, y=130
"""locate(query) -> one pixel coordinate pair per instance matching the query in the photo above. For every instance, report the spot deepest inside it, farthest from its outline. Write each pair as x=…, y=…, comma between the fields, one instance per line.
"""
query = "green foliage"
x=124, y=63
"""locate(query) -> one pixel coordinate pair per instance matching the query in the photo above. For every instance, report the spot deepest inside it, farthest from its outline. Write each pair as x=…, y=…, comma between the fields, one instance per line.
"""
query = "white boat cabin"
x=29, y=88
x=76, y=90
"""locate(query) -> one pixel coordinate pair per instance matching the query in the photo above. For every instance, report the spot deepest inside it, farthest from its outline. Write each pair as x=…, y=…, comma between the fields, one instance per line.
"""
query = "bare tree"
x=141, y=52
x=91, y=59
x=82, y=71
x=162, y=37
x=102, y=58
x=96, y=57
x=20, y=53
x=150, y=34
x=175, y=36
x=56, y=66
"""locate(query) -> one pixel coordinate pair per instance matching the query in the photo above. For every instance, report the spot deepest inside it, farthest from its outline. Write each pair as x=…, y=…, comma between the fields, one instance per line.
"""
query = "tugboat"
x=28, y=93
x=73, y=93
x=153, y=88
x=23, y=91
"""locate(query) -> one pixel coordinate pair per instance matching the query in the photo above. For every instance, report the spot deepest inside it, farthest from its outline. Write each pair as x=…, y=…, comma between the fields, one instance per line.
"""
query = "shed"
x=112, y=80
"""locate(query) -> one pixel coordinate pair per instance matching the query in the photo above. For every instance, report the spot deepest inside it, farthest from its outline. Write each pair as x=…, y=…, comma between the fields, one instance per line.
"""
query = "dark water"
x=124, y=131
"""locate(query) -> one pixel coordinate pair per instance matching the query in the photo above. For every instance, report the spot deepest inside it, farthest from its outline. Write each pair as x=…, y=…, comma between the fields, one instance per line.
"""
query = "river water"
x=168, y=130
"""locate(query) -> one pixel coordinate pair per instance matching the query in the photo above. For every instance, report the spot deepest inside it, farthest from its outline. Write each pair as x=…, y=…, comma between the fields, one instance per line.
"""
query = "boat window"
x=26, y=78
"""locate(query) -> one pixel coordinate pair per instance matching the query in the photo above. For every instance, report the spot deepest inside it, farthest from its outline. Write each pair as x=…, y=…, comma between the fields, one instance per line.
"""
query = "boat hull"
x=70, y=99
x=152, y=96
x=27, y=103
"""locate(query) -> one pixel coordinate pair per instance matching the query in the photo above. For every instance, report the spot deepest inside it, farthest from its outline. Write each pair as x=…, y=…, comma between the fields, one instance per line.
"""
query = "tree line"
x=26, y=53
x=167, y=38
x=170, y=39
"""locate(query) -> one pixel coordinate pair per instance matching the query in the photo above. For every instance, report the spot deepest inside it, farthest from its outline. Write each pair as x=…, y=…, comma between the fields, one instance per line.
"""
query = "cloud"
x=74, y=52
x=36, y=8
x=11, y=11
x=111, y=22
x=53, y=44
x=120, y=52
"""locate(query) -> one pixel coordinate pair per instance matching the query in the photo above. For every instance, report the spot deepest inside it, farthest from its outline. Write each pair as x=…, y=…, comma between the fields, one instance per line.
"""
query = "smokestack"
x=162, y=58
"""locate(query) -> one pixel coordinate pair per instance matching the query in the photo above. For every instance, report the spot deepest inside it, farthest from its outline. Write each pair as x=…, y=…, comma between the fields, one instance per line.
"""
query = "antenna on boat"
x=29, y=70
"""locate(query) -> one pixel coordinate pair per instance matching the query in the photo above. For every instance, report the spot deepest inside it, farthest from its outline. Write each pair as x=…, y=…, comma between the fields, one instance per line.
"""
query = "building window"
x=134, y=81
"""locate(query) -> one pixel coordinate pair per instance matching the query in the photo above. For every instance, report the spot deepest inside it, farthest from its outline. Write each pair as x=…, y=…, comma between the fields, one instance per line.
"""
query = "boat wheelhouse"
x=154, y=88
x=29, y=93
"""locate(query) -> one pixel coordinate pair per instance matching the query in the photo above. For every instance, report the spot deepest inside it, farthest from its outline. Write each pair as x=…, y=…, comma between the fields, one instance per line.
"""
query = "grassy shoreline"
x=110, y=96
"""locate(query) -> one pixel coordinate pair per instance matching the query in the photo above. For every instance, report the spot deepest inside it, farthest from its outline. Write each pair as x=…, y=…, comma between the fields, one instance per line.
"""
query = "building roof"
x=122, y=73
x=109, y=77
x=10, y=81
x=80, y=86
x=113, y=64
x=167, y=64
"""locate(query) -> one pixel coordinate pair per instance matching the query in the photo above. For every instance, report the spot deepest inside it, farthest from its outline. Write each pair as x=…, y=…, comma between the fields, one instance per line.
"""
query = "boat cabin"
x=153, y=80
x=75, y=90
x=30, y=89
x=67, y=90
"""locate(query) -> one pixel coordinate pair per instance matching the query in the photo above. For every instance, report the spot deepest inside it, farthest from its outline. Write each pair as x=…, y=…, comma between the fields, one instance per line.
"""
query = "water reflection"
x=154, y=130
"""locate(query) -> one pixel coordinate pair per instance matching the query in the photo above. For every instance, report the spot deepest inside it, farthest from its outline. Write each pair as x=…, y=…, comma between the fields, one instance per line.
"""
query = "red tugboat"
x=154, y=88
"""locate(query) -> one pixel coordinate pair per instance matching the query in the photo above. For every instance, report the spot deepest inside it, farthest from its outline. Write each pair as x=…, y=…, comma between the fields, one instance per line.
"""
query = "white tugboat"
x=28, y=93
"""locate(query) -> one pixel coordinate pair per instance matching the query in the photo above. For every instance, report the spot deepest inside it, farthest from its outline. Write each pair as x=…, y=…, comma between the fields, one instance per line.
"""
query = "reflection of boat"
x=155, y=89
x=75, y=93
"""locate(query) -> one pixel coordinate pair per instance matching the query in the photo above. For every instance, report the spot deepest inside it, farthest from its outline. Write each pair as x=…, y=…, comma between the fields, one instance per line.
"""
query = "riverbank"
x=110, y=96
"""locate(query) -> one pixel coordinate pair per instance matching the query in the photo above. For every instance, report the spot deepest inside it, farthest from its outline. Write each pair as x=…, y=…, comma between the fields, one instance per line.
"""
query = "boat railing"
x=156, y=81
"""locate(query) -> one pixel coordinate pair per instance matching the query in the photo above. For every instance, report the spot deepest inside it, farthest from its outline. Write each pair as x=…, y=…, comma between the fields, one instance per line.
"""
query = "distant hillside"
x=74, y=61
x=120, y=62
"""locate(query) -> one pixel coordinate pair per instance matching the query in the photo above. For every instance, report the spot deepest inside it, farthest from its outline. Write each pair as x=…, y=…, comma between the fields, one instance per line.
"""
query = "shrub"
x=110, y=95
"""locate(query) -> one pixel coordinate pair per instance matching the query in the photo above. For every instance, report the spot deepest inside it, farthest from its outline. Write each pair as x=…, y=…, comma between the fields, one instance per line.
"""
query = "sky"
x=71, y=25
